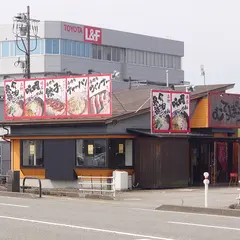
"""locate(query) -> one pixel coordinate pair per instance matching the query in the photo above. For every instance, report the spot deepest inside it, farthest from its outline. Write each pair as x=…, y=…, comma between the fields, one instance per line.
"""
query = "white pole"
x=206, y=182
x=206, y=195
x=113, y=187
x=167, y=82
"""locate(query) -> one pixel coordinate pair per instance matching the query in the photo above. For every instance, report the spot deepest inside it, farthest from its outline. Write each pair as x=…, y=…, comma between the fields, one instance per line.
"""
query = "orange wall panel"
x=200, y=115
x=99, y=172
x=73, y=137
x=34, y=172
x=16, y=163
x=16, y=156
x=220, y=134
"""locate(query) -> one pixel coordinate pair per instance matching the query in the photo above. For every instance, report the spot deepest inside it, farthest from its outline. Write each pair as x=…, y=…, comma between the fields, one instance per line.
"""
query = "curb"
x=200, y=210
x=99, y=197
x=35, y=195
x=17, y=194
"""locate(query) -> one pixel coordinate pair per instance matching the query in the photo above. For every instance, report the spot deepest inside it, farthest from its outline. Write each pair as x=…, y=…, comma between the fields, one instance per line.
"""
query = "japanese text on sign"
x=98, y=84
x=224, y=110
x=34, y=88
x=159, y=105
x=76, y=84
x=14, y=91
x=180, y=102
x=227, y=111
x=52, y=88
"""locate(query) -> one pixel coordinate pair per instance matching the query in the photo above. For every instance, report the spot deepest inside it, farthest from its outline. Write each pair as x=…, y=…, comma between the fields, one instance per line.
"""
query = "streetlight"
x=203, y=73
x=24, y=29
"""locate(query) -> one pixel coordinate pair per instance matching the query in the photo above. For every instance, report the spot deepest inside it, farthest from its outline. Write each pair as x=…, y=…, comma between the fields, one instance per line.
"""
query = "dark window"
x=99, y=52
x=120, y=153
x=32, y=153
x=94, y=52
x=91, y=153
x=107, y=53
x=115, y=54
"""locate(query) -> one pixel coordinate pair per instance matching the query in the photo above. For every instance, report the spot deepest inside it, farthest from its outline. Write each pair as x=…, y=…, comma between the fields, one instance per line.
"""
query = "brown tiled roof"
x=201, y=90
x=126, y=103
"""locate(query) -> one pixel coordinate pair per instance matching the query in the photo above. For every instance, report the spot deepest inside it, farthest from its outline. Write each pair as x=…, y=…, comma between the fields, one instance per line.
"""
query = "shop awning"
x=196, y=136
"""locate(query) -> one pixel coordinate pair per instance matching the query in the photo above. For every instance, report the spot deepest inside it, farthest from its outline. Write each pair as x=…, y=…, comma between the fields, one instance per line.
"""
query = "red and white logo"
x=92, y=35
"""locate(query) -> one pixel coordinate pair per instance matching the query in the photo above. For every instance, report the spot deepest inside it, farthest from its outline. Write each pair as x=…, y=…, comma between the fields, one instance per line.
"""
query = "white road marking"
x=14, y=205
x=206, y=226
x=185, y=213
x=132, y=199
x=84, y=228
x=186, y=190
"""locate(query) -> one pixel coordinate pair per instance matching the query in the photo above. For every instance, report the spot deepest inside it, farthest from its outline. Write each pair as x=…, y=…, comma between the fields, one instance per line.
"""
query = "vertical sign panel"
x=34, y=98
x=170, y=111
x=55, y=97
x=160, y=111
x=180, y=119
x=100, y=91
x=14, y=99
x=77, y=96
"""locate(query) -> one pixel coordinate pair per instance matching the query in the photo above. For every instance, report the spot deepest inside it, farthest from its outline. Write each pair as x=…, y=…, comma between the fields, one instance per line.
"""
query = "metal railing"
x=40, y=184
x=98, y=184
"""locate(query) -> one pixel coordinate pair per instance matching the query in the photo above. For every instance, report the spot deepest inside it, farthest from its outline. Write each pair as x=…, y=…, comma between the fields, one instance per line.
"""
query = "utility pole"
x=25, y=29
x=28, y=70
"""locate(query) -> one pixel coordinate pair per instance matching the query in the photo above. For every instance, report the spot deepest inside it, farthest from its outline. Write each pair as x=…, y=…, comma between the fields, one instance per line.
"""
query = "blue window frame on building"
x=82, y=49
x=88, y=50
x=13, y=48
x=35, y=47
x=18, y=45
x=52, y=46
x=69, y=47
x=63, y=47
x=75, y=48
x=5, y=49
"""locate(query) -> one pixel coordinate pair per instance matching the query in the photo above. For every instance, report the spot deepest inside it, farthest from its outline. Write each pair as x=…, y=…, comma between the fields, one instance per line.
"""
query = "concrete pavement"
x=62, y=218
x=218, y=197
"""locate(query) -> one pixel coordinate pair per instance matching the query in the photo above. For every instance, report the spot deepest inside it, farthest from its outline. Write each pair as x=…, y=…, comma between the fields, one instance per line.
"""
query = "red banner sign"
x=92, y=35
x=64, y=97
x=170, y=111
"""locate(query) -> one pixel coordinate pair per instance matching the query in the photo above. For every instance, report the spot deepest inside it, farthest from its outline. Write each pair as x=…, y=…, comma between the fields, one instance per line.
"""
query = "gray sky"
x=209, y=28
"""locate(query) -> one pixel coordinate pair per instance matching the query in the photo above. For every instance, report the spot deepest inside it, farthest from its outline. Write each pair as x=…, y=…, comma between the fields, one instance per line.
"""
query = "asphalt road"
x=61, y=219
